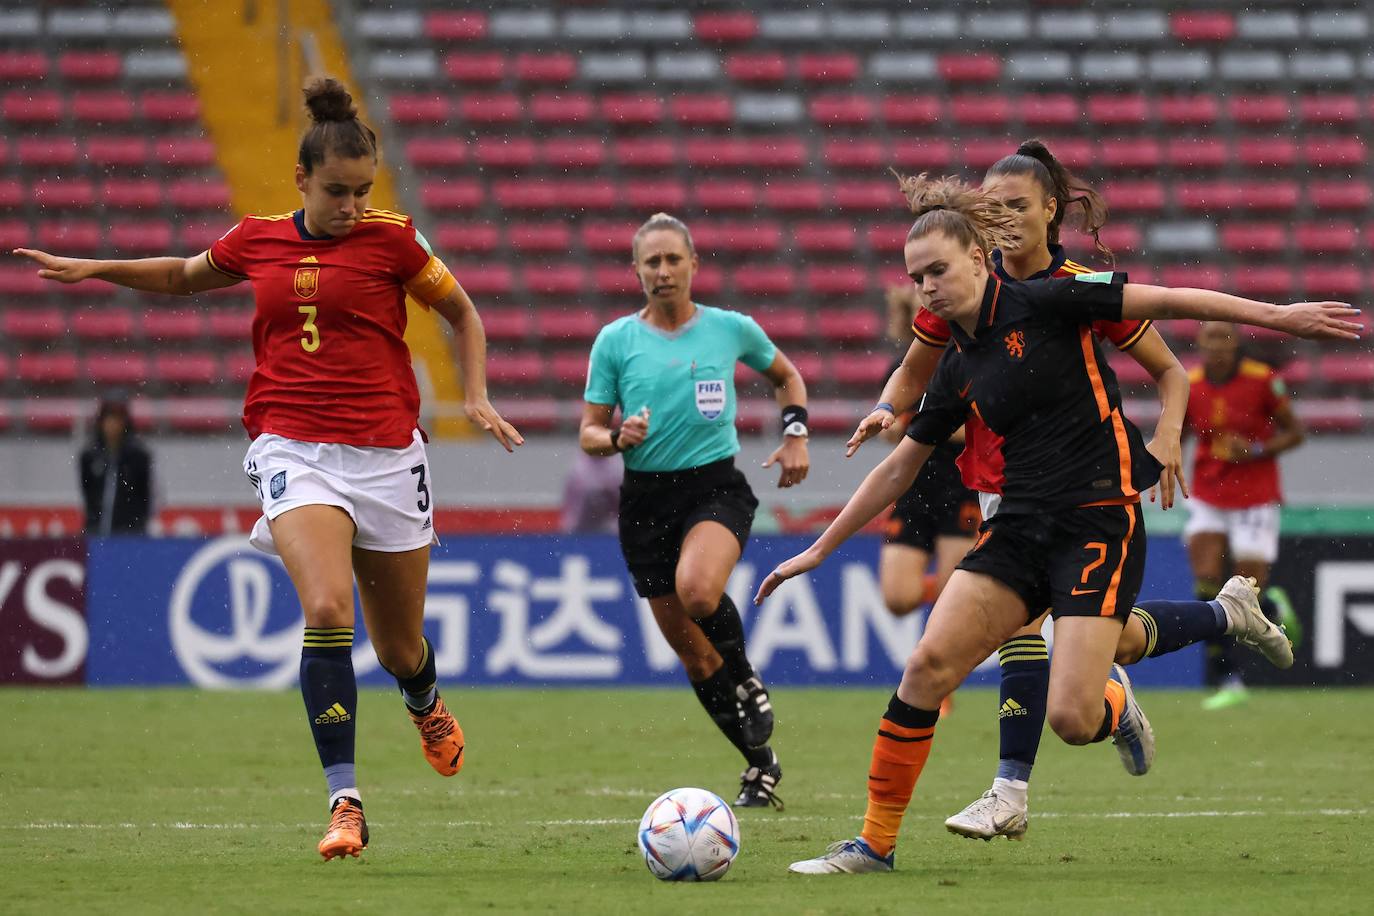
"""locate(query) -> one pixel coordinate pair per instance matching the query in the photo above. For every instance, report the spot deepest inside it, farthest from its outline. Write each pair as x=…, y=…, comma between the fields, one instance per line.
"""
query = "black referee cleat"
x=757, y=786
x=757, y=712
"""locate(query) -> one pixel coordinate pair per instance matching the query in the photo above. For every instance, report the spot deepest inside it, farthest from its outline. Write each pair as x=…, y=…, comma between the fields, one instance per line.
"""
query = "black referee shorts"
x=1083, y=562
x=658, y=508
x=937, y=505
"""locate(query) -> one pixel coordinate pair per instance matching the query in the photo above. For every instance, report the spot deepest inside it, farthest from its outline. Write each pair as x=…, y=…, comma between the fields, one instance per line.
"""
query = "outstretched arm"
x=880, y=489
x=1155, y=357
x=177, y=276
x=1316, y=320
x=903, y=389
x=472, y=359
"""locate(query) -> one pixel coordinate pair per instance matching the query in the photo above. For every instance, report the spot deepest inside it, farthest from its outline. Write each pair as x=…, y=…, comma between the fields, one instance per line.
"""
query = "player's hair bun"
x=328, y=100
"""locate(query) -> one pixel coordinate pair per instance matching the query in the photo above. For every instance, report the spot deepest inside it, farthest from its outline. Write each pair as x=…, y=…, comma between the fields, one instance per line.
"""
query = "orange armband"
x=432, y=283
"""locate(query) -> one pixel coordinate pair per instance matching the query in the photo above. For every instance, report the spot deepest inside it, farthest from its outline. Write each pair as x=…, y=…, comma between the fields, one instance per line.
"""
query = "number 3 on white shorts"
x=312, y=343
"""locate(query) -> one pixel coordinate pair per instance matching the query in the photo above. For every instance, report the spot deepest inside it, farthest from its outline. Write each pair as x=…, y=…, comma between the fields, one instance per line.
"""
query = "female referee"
x=1068, y=533
x=685, y=509
x=337, y=456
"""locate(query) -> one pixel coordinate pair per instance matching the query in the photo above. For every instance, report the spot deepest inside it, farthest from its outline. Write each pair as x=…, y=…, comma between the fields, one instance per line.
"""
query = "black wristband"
x=793, y=413
x=615, y=438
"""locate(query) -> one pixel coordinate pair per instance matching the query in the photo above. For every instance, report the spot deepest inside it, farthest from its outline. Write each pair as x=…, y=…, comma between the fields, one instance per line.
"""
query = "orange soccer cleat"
x=347, y=833
x=441, y=737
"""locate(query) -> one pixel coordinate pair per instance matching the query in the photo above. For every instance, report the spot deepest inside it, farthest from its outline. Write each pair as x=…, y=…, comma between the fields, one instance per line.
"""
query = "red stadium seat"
x=200, y=415
x=1215, y=25
x=1232, y=195
x=131, y=193
x=1259, y=237
x=1347, y=368
x=1130, y=372
x=75, y=193
x=1267, y=152
x=47, y=368
x=1333, y=151
x=652, y=196
x=108, y=106
x=593, y=196
x=448, y=195
x=645, y=152
x=33, y=324
x=1341, y=415
x=862, y=325
x=1297, y=372
x=515, y=368
x=620, y=280
x=230, y=324
x=1136, y=196
x=1328, y=109
x=715, y=152
x=437, y=152
x=1353, y=194
x=887, y=238
x=796, y=196
x=1188, y=110
x=980, y=153
x=544, y=236
x=726, y=27
x=726, y=195
x=490, y=108
x=170, y=107
x=506, y=324
x=554, y=278
x=1327, y=238
x=199, y=194
x=830, y=68
x=1197, y=153
x=484, y=278
x=776, y=152
x=178, y=324
x=22, y=66
x=185, y=152
x=568, y=323
x=1264, y=282
x=826, y=237
x=738, y=236
x=784, y=324
x=1332, y=281
x=562, y=108
x=631, y=110
x=981, y=110
x=911, y=110
x=1133, y=153
x=469, y=68
x=90, y=66
x=72, y=236
x=186, y=368
x=427, y=109
x=239, y=367
x=461, y=238
x=535, y=414
x=103, y=323
x=1074, y=152
x=1257, y=109
x=465, y=25
x=1119, y=110
x=197, y=237
x=1119, y=237
x=866, y=370
x=145, y=238
x=117, y=150
x=1057, y=110
x=924, y=154
x=766, y=67
x=545, y=67
x=14, y=233
x=574, y=153
x=1200, y=276
x=568, y=368
x=854, y=153
x=47, y=152
x=969, y=68
x=867, y=195
x=607, y=238
x=24, y=107
x=17, y=280
x=702, y=110
x=120, y=367
x=505, y=152
x=765, y=280
x=835, y=280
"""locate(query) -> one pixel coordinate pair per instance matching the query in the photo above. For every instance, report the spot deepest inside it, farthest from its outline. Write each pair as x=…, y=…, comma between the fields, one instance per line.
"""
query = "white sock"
x=351, y=792
x=1013, y=790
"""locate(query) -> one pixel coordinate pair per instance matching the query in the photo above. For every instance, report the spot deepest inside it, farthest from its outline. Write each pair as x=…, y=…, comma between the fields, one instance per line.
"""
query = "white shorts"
x=988, y=503
x=1251, y=533
x=386, y=491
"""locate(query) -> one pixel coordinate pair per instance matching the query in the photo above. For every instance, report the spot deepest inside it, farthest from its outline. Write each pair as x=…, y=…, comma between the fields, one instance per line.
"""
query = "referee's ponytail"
x=1033, y=158
x=958, y=210
x=334, y=126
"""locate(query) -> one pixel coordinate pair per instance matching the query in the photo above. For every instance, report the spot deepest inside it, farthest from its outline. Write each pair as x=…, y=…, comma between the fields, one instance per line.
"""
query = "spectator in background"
x=116, y=474
x=591, y=495
x=1240, y=412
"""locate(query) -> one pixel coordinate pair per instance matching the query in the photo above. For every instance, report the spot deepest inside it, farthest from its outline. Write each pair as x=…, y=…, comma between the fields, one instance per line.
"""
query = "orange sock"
x=1115, y=696
x=899, y=754
x=931, y=586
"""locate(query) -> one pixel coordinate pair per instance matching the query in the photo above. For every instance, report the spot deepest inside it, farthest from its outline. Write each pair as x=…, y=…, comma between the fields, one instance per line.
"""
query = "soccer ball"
x=689, y=835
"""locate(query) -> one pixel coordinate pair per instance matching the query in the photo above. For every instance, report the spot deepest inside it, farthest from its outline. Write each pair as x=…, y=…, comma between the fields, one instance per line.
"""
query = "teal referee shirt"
x=685, y=377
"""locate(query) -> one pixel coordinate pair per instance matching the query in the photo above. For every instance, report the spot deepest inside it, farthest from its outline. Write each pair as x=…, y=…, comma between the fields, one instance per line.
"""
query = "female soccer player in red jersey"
x=1240, y=412
x=1068, y=533
x=337, y=455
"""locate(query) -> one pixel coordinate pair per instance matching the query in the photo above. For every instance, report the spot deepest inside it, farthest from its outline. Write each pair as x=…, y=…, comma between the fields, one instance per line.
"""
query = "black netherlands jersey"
x=1034, y=374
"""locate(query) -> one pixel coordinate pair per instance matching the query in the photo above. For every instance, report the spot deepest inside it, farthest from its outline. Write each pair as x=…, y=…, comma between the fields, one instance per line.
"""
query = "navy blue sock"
x=331, y=702
x=1172, y=625
x=419, y=690
x=1021, y=718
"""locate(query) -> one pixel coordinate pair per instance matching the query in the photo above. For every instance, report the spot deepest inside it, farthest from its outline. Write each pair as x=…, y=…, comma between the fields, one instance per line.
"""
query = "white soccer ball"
x=689, y=835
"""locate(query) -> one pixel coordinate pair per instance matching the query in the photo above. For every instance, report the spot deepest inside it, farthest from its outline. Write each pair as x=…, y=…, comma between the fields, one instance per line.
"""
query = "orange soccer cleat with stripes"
x=347, y=833
x=441, y=737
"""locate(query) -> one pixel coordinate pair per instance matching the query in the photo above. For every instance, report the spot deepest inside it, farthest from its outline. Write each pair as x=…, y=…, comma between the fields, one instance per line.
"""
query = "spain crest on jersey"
x=307, y=282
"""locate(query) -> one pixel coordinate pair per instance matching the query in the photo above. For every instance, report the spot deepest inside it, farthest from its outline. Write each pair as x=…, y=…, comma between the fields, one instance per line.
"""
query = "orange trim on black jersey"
x=1085, y=341
x=992, y=310
x=1145, y=325
x=1109, y=599
x=228, y=273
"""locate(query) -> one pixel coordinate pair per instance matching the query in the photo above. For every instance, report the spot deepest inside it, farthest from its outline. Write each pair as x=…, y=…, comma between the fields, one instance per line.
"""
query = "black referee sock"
x=725, y=630
x=717, y=696
x=418, y=690
x=331, y=702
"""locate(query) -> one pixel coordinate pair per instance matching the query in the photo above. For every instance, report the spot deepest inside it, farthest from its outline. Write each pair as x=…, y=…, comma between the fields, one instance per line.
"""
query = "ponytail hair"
x=1033, y=158
x=901, y=311
x=334, y=126
x=662, y=221
x=960, y=211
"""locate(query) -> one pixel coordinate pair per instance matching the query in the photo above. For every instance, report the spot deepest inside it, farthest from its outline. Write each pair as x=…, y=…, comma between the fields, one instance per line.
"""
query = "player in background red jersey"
x=1241, y=415
x=337, y=455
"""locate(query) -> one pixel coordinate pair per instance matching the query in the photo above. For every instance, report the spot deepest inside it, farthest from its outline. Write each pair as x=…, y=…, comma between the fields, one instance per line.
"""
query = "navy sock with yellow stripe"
x=330, y=692
x=1025, y=663
x=1173, y=625
x=420, y=690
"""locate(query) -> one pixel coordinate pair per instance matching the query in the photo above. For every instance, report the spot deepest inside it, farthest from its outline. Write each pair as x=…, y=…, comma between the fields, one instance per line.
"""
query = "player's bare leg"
x=1080, y=712
x=902, y=576
x=392, y=588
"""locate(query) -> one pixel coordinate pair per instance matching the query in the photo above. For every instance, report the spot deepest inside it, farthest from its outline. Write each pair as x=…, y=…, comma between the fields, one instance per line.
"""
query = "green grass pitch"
x=175, y=801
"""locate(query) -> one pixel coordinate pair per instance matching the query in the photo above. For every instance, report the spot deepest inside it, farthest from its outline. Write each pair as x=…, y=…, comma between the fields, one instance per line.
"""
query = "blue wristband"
x=884, y=405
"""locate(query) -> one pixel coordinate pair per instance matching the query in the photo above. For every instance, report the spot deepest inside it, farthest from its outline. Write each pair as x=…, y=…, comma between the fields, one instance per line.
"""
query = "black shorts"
x=1084, y=562
x=658, y=508
x=937, y=505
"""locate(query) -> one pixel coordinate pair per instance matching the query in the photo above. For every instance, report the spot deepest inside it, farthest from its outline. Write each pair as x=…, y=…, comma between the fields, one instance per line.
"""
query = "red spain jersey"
x=1242, y=407
x=981, y=463
x=329, y=328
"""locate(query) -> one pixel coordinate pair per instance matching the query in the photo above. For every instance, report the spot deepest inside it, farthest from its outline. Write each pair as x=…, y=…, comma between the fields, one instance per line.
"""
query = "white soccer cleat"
x=990, y=816
x=1239, y=597
x=847, y=857
x=1134, y=738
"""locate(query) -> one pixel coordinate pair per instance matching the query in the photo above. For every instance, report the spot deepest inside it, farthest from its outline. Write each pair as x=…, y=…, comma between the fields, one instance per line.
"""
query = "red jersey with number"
x=329, y=328
x=981, y=463
x=1241, y=407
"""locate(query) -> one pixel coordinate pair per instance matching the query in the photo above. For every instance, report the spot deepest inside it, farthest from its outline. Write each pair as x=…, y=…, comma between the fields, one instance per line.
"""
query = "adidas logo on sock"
x=334, y=715
x=1011, y=708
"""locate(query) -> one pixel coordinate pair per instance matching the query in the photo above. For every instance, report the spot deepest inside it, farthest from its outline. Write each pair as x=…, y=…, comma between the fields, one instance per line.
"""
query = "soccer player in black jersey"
x=1068, y=534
